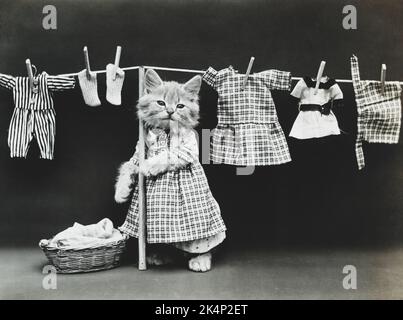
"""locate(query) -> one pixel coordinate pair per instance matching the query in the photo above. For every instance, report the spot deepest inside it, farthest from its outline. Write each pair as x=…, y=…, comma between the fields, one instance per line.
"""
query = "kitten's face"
x=169, y=104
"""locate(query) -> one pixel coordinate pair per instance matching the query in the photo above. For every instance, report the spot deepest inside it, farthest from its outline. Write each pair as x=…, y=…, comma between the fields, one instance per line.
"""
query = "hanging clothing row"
x=248, y=130
x=249, y=133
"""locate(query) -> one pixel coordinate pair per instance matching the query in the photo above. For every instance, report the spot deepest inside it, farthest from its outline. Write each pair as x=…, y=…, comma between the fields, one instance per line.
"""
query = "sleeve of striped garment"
x=7, y=81
x=61, y=83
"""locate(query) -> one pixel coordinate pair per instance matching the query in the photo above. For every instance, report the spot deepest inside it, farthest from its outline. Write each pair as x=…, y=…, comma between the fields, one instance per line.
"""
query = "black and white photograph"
x=201, y=154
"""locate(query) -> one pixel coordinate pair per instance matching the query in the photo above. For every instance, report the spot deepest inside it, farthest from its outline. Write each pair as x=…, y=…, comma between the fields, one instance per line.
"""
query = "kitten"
x=172, y=108
x=169, y=106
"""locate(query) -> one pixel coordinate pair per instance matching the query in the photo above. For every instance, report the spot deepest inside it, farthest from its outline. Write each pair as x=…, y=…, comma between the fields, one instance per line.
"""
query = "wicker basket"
x=85, y=260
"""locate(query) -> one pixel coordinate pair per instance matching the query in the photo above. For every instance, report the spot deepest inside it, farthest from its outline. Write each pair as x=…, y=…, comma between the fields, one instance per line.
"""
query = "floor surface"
x=261, y=274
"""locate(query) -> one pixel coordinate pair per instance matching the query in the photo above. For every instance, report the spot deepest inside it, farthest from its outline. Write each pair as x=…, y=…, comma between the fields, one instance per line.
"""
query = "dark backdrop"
x=319, y=199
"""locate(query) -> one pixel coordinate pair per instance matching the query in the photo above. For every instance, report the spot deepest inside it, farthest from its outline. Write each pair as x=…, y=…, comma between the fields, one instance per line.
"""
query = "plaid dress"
x=379, y=115
x=248, y=130
x=180, y=206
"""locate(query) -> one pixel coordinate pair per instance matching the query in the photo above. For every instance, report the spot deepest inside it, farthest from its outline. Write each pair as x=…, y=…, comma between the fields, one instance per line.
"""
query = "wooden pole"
x=142, y=191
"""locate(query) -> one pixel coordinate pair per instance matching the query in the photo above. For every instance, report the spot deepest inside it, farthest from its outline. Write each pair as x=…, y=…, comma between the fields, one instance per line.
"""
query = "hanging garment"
x=89, y=88
x=379, y=115
x=248, y=130
x=114, y=83
x=180, y=206
x=34, y=113
x=315, y=118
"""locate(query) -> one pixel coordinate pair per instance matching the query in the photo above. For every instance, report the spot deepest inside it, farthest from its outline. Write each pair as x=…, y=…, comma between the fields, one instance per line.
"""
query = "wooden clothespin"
x=30, y=74
x=87, y=63
x=117, y=60
x=383, y=77
x=245, y=80
x=319, y=76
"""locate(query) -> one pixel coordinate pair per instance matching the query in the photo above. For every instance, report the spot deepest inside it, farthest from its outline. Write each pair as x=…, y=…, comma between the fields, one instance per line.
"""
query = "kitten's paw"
x=153, y=167
x=145, y=169
x=155, y=259
x=158, y=168
x=201, y=263
x=124, y=181
x=122, y=194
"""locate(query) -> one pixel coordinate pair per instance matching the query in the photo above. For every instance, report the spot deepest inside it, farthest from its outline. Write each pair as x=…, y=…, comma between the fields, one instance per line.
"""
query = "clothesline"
x=97, y=71
x=137, y=67
x=191, y=71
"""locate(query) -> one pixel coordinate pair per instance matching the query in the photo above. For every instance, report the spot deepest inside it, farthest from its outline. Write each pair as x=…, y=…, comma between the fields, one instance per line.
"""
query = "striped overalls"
x=34, y=114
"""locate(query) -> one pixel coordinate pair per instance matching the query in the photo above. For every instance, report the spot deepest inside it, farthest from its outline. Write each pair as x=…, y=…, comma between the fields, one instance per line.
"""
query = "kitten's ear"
x=193, y=85
x=152, y=80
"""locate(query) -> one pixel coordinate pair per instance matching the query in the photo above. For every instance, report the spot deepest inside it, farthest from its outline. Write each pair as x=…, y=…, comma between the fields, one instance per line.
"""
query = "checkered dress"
x=180, y=206
x=379, y=115
x=248, y=130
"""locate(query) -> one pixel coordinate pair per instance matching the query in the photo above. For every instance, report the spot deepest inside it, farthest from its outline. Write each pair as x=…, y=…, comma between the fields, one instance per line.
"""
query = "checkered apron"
x=180, y=206
x=379, y=115
x=248, y=130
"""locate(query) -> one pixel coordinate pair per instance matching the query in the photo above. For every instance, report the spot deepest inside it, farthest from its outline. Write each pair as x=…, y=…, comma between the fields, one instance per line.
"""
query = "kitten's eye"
x=161, y=103
x=180, y=106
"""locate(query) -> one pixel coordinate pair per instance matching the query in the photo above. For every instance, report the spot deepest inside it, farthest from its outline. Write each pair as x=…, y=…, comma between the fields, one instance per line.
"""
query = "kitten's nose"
x=170, y=110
